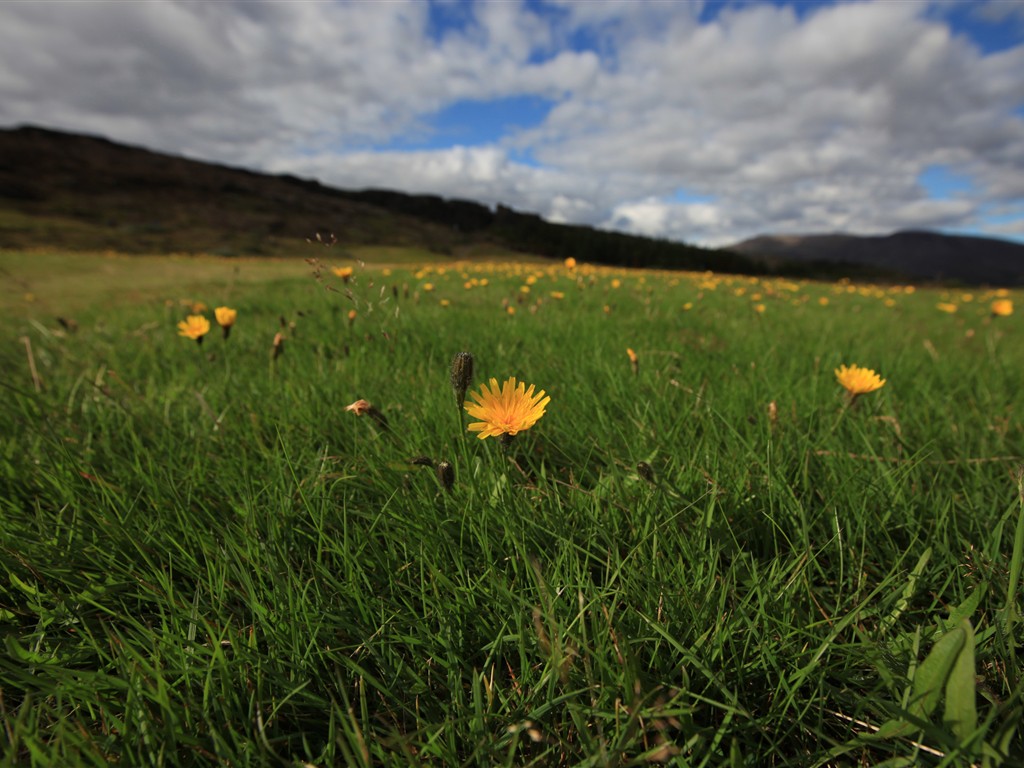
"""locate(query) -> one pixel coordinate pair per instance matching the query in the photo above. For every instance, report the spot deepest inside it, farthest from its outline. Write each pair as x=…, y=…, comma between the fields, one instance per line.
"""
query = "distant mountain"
x=70, y=191
x=918, y=255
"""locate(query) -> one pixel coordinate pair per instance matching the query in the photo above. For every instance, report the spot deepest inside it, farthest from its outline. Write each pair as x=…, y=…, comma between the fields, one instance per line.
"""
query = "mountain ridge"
x=918, y=254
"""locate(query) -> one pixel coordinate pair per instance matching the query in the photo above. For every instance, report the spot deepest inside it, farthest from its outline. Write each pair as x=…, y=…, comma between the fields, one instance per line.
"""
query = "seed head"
x=446, y=475
x=462, y=376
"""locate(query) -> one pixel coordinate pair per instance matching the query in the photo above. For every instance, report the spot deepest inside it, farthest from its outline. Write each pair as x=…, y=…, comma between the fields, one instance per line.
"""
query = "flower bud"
x=462, y=376
x=446, y=475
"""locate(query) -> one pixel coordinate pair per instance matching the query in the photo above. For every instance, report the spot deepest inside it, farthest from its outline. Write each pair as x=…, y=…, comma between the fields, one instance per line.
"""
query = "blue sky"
x=705, y=122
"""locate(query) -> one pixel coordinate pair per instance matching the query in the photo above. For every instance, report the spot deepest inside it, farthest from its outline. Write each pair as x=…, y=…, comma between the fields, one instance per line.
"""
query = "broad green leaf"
x=960, y=714
x=932, y=674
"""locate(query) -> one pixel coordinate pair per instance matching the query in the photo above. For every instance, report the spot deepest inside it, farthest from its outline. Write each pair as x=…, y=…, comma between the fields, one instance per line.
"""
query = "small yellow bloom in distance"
x=759, y=308
x=947, y=307
x=194, y=327
x=506, y=409
x=345, y=273
x=557, y=295
x=570, y=263
x=225, y=316
x=634, y=361
x=857, y=380
x=1002, y=307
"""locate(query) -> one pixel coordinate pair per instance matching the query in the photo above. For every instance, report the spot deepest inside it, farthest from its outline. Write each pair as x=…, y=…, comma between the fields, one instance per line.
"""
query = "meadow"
x=705, y=552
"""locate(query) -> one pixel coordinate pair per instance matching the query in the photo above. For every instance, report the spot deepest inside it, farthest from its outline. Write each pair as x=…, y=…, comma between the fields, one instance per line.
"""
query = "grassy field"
x=703, y=554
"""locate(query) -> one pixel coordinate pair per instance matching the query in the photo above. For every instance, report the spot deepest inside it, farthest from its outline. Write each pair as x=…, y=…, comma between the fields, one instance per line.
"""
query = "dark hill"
x=82, y=192
x=919, y=255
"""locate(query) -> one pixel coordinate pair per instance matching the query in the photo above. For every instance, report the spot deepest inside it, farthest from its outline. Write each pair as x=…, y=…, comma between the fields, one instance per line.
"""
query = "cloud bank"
x=703, y=123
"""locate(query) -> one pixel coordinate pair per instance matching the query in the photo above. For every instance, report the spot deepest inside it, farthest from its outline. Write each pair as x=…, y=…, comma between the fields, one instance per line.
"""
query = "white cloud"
x=779, y=121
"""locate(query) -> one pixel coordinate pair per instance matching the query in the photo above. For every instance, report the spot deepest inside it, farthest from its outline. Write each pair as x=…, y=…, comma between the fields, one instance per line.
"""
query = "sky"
x=706, y=122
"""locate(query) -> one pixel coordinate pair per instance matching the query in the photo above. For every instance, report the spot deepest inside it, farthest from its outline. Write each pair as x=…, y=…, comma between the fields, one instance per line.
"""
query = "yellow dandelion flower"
x=225, y=319
x=428, y=287
x=823, y=301
x=225, y=316
x=505, y=410
x=510, y=310
x=946, y=306
x=759, y=308
x=1002, y=307
x=857, y=380
x=616, y=283
x=446, y=302
x=194, y=327
x=345, y=273
x=570, y=263
x=557, y=295
x=634, y=361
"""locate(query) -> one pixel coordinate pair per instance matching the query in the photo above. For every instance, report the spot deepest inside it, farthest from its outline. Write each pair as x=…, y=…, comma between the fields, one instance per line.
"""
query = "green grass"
x=208, y=560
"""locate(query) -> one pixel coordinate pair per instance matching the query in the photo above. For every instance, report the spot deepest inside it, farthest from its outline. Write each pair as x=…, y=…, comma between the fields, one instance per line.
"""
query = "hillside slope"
x=919, y=255
x=82, y=192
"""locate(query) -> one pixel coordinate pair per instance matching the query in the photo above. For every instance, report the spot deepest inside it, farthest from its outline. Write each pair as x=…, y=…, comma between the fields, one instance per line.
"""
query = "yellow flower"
x=857, y=380
x=557, y=295
x=1002, y=307
x=634, y=361
x=225, y=319
x=345, y=273
x=759, y=308
x=194, y=327
x=505, y=410
x=946, y=307
x=225, y=316
x=570, y=263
